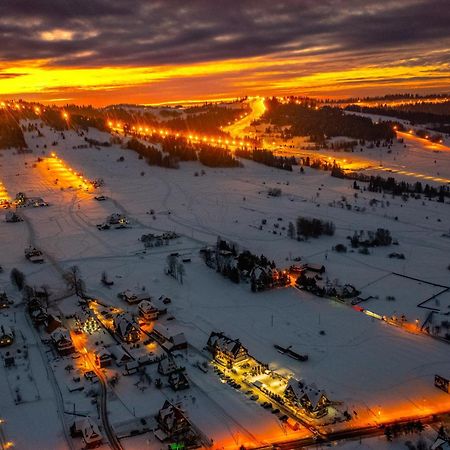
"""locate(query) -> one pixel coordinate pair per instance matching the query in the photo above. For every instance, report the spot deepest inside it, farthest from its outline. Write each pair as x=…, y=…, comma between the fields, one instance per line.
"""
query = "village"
x=176, y=333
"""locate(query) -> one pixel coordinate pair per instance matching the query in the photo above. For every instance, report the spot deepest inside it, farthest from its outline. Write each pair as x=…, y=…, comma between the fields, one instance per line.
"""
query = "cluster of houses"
x=311, y=279
x=157, y=240
x=22, y=201
x=60, y=336
x=177, y=378
x=225, y=258
x=297, y=395
x=263, y=278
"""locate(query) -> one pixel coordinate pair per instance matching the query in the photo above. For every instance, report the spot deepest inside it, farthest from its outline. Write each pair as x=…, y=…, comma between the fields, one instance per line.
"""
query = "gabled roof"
x=90, y=430
x=225, y=344
x=301, y=390
x=60, y=334
x=5, y=330
x=146, y=306
x=168, y=365
x=123, y=323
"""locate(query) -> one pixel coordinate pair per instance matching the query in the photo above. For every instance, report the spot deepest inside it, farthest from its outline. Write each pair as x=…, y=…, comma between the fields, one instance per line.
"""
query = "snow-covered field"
x=380, y=371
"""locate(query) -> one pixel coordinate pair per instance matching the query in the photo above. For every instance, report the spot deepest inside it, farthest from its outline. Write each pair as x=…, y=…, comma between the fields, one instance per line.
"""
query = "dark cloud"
x=118, y=32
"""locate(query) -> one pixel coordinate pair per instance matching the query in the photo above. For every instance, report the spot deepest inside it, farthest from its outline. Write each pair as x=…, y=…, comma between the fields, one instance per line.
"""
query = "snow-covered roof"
x=167, y=365
x=123, y=323
x=146, y=306
x=301, y=389
x=119, y=353
x=103, y=353
x=5, y=330
x=60, y=334
x=90, y=430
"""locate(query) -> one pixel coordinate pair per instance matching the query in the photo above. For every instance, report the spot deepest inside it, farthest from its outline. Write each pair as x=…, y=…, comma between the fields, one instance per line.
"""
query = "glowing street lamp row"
x=4, y=197
x=68, y=172
x=195, y=138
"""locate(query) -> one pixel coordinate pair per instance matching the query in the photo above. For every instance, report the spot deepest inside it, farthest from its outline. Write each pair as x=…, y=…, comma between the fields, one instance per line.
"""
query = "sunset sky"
x=118, y=51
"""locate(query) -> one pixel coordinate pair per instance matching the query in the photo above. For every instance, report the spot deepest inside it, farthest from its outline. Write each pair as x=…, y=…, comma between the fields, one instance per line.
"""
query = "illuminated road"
x=356, y=162
x=63, y=175
x=241, y=127
x=425, y=143
x=4, y=197
x=363, y=432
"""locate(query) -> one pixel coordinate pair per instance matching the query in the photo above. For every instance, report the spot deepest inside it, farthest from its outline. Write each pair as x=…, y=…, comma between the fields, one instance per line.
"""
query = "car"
x=249, y=392
x=100, y=198
x=275, y=411
x=103, y=226
x=254, y=397
x=267, y=405
x=284, y=418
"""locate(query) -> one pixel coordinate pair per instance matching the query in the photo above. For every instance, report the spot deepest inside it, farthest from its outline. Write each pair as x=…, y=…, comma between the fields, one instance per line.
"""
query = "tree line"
x=320, y=124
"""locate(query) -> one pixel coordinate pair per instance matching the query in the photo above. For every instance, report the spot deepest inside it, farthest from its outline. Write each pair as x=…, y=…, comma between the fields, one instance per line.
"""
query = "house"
x=169, y=339
x=318, y=268
x=117, y=219
x=225, y=350
x=52, y=323
x=4, y=301
x=119, y=354
x=307, y=397
x=13, y=217
x=133, y=298
x=178, y=381
x=6, y=335
x=131, y=368
x=103, y=358
x=167, y=366
x=147, y=311
x=267, y=277
x=38, y=316
x=33, y=304
x=172, y=422
x=88, y=430
x=126, y=328
x=62, y=341
x=34, y=255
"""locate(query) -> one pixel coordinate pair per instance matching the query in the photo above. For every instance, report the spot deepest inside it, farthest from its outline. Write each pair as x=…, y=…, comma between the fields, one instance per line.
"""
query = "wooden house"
x=225, y=350
x=307, y=397
x=62, y=341
x=6, y=335
x=126, y=328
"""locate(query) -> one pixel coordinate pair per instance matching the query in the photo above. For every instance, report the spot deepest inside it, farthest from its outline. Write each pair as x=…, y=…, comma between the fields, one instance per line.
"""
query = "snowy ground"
x=379, y=371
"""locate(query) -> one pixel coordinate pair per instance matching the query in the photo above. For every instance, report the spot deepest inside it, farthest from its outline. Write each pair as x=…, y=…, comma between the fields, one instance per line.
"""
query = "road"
x=110, y=434
x=240, y=128
x=362, y=432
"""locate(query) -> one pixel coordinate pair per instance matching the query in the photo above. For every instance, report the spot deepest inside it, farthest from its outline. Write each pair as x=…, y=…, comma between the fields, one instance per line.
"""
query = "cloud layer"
x=282, y=41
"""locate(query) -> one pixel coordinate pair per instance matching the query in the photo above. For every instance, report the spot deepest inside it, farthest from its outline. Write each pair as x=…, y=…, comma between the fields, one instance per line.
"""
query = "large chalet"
x=225, y=350
x=126, y=328
x=307, y=397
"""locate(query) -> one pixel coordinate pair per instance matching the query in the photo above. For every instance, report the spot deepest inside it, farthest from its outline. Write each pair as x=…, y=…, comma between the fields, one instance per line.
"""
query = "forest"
x=322, y=123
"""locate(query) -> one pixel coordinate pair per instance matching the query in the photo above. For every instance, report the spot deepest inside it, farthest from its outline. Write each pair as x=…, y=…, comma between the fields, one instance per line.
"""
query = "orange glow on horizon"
x=41, y=80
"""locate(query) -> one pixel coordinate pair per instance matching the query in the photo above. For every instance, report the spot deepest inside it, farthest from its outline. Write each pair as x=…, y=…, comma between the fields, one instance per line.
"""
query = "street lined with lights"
x=64, y=175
